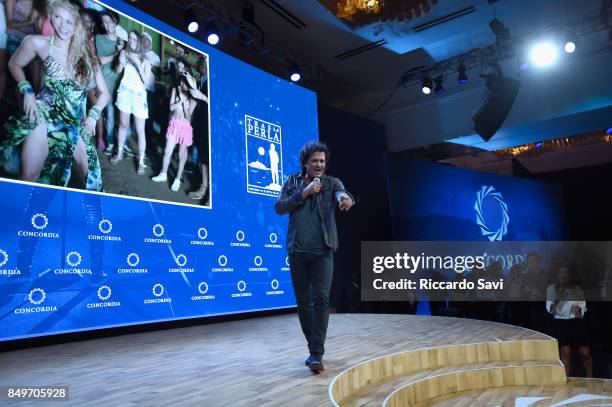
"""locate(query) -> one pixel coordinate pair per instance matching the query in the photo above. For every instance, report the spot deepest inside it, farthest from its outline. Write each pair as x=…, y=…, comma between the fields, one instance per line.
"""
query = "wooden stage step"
x=430, y=372
x=478, y=378
x=374, y=395
x=598, y=390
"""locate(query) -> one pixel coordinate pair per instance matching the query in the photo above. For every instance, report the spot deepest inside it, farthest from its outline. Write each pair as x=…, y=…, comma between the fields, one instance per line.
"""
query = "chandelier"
x=363, y=12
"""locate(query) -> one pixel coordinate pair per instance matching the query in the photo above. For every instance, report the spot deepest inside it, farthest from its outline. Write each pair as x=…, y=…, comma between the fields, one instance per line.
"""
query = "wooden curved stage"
x=395, y=360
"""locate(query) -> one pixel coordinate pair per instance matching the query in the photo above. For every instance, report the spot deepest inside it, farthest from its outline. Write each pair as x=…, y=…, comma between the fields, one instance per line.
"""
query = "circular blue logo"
x=489, y=192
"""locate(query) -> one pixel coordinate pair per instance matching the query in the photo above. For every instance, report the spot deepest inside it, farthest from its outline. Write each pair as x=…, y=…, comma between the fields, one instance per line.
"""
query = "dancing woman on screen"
x=183, y=101
x=56, y=128
x=132, y=96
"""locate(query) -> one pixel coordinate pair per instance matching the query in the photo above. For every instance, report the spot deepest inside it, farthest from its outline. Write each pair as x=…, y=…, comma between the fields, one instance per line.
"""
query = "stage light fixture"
x=502, y=33
x=462, y=75
x=294, y=73
x=439, y=88
x=426, y=85
x=213, y=35
x=544, y=54
x=609, y=130
x=191, y=21
x=570, y=44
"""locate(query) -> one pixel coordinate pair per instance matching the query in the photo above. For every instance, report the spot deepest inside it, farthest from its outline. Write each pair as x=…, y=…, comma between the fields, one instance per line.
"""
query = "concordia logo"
x=273, y=238
x=287, y=268
x=73, y=259
x=486, y=230
x=39, y=222
x=104, y=293
x=258, y=261
x=274, y=284
x=158, y=232
x=202, y=235
x=41, y=294
x=158, y=290
x=222, y=261
x=105, y=226
x=241, y=286
x=133, y=260
x=181, y=261
x=203, y=289
x=36, y=297
x=240, y=236
x=3, y=257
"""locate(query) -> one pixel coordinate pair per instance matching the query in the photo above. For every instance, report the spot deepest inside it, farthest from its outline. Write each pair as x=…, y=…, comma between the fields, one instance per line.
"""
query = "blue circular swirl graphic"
x=490, y=192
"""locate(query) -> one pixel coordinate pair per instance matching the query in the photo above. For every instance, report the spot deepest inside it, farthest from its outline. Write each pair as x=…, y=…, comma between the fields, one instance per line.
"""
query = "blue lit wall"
x=431, y=201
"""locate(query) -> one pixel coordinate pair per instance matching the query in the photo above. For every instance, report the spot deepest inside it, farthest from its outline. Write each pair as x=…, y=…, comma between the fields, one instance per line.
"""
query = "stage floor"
x=254, y=362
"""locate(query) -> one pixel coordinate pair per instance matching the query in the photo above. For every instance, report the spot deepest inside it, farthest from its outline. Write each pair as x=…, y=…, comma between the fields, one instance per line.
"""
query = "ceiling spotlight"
x=439, y=89
x=191, y=20
x=193, y=27
x=462, y=75
x=212, y=33
x=543, y=54
x=294, y=73
x=426, y=85
x=570, y=44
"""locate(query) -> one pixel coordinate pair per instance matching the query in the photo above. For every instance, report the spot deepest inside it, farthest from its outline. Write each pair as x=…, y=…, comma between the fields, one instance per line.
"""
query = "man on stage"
x=310, y=198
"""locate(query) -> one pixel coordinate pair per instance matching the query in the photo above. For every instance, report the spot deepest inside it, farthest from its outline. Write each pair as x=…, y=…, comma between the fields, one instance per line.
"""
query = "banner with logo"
x=73, y=260
x=432, y=201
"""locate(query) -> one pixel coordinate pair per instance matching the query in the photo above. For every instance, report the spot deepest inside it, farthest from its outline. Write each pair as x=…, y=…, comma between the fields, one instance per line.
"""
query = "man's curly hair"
x=309, y=149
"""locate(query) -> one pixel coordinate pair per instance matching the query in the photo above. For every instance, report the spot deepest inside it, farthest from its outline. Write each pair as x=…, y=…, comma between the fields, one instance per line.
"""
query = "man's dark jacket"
x=326, y=200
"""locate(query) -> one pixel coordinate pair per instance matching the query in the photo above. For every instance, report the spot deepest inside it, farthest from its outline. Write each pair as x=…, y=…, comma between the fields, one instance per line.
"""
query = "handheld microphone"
x=314, y=198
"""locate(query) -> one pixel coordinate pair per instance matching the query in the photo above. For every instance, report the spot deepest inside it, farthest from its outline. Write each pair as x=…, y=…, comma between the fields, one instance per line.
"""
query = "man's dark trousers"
x=312, y=278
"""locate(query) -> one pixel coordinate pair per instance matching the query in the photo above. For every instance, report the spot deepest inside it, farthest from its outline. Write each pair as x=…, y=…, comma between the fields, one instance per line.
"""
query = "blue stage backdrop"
x=431, y=201
x=73, y=260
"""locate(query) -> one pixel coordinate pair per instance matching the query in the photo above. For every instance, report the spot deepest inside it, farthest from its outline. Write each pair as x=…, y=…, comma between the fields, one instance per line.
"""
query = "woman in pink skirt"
x=183, y=101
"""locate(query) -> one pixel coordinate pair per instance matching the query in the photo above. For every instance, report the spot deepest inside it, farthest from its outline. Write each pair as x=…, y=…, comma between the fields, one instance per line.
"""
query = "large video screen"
x=158, y=205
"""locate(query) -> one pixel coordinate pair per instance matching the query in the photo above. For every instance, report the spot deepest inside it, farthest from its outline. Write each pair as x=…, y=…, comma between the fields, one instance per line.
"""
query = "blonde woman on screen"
x=56, y=130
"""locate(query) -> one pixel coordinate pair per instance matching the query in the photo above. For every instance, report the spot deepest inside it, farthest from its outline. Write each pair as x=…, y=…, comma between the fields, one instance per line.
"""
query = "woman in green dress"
x=56, y=131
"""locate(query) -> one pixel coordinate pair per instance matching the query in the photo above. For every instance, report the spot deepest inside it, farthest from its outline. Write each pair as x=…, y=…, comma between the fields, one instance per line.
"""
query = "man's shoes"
x=315, y=364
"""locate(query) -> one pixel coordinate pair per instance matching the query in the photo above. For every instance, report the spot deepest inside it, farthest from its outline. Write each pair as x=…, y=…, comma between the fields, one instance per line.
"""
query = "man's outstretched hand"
x=344, y=202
